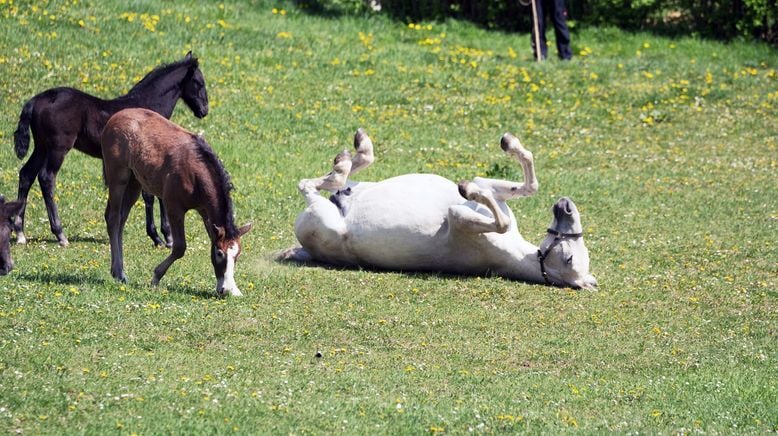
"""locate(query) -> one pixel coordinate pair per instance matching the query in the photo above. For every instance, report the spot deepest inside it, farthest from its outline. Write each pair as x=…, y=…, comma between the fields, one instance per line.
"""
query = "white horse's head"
x=564, y=259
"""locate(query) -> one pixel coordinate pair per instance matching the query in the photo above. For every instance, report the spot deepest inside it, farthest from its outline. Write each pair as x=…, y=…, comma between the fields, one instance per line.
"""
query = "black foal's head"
x=7, y=213
x=194, y=93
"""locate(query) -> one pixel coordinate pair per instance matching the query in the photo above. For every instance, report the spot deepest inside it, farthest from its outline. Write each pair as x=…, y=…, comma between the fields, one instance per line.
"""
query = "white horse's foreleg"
x=505, y=190
x=332, y=181
x=320, y=229
x=470, y=220
x=364, y=148
x=297, y=254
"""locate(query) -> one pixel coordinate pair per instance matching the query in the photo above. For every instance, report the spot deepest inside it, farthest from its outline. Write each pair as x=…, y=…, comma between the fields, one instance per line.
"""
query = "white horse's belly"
x=402, y=222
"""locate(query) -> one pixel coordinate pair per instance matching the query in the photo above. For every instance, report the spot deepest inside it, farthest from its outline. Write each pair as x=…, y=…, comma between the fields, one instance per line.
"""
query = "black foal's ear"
x=193, y=62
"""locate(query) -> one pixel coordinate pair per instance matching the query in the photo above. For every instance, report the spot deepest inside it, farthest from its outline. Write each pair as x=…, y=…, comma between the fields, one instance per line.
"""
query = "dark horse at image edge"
x=7, y=212
x=66, y=118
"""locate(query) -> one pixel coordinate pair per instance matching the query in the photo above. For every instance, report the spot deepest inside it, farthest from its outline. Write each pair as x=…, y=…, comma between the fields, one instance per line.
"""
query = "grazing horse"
x=423, y=222
x=7, y=212
x=64, y=118
x=143, y=150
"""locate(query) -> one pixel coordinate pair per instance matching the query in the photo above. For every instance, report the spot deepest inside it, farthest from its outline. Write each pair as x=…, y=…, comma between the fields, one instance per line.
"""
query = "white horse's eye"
x=569, y=260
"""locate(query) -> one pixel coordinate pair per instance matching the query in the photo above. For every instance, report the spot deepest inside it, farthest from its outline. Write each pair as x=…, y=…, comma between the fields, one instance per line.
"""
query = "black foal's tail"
x=22, y=133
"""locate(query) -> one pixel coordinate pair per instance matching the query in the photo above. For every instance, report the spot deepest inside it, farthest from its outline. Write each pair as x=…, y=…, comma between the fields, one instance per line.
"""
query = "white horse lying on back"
x=423, y=222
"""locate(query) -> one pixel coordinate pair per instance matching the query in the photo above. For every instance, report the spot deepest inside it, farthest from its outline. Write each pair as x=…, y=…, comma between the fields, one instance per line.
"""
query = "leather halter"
x=558, y=236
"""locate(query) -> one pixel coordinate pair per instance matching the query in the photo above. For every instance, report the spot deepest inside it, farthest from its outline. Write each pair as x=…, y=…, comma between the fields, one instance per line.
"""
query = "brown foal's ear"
x=188, y=55
x=218, y=231
x=245, y=229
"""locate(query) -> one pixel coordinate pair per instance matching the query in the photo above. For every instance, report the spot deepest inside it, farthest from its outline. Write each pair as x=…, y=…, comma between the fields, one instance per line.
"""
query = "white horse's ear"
x=218, y=231
x=245, y=229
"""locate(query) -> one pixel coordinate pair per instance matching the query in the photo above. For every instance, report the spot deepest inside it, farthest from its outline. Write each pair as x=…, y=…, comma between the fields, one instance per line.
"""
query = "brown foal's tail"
x=22, y=133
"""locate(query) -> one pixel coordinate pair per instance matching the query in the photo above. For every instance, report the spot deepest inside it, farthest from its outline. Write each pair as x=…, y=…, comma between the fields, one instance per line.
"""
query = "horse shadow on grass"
x=65, y=278
x=62, y=278
x=424, y=275
x=89, y=239
x=53, y=241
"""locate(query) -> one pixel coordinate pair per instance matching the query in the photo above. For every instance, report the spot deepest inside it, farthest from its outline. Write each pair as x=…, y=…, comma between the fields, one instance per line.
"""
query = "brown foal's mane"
x=221, y=182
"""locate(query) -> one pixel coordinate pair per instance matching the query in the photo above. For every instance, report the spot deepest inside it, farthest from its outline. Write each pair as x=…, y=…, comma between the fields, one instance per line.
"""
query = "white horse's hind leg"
x=505, y=190
x=467, y=219
x=364, y=148
x=332, y=181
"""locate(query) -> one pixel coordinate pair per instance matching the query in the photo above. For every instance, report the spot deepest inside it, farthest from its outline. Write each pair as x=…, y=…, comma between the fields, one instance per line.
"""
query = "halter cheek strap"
x=558, y=237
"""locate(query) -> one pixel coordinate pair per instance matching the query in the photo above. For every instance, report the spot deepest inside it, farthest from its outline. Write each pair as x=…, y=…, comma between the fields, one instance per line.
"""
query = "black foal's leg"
x=165, y=225
x=26, y=177
x=151, y=229
x=47, y=177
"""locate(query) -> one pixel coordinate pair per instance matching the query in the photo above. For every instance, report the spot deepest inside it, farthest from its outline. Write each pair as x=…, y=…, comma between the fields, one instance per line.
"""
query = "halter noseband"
x=558, y=236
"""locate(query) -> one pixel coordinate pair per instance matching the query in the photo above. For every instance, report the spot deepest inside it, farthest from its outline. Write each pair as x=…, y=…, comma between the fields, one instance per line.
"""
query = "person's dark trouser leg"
x=559, y=17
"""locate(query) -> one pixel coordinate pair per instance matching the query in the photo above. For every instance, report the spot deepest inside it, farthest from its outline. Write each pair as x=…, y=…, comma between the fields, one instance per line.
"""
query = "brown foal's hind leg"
x=131, y=194
x=118, y=182
x=178, y=232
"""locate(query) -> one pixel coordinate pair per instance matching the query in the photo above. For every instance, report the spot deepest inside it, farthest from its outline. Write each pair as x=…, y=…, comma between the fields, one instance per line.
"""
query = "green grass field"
x=669, y=148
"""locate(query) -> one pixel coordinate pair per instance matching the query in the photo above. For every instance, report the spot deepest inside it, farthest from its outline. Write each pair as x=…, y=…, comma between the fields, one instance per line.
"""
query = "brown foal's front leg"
x=179, y=244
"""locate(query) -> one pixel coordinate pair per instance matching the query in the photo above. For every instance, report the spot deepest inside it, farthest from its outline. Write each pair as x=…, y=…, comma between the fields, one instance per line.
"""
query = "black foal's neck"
x=159, y=90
